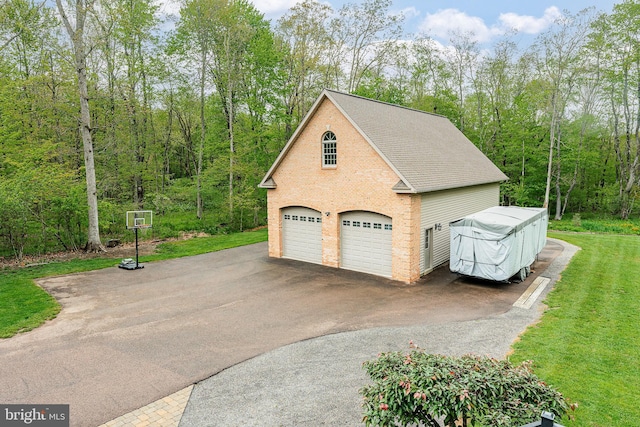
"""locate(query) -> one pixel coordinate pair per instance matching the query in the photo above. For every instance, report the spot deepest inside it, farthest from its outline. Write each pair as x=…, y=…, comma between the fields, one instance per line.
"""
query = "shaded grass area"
x=200, y=245
x=609, y=226
x=25, y=306
x=588, y=341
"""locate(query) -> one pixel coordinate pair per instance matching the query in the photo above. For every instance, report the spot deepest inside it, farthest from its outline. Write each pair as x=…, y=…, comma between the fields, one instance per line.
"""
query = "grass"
x=588, y=343
x=200, y=245
x=25, y=306
x=600, y=225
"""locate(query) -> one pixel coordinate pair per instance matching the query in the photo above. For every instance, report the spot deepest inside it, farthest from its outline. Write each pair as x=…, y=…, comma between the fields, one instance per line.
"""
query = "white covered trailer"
x=498, y=243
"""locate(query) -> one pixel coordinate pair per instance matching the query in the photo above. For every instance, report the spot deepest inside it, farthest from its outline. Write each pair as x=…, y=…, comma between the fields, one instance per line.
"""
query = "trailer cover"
x=498, y=243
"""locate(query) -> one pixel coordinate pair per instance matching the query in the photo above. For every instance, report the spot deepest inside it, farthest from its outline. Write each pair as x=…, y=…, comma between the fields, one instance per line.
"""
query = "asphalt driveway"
x=127, y=338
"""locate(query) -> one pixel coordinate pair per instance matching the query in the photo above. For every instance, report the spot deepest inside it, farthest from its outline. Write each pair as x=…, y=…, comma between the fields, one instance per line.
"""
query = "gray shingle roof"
x=426, y=150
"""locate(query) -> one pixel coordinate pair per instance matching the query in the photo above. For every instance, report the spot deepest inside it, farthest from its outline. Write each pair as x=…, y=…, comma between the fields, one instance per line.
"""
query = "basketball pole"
x=137, y=265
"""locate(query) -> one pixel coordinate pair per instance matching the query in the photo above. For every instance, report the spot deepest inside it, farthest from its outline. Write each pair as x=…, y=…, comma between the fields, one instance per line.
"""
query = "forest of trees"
x=109, y=105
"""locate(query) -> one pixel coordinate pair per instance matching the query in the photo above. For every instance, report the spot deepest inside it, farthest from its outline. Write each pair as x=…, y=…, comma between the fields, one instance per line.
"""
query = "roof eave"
x=452, y=187
x=268, y=183
x=402, y=188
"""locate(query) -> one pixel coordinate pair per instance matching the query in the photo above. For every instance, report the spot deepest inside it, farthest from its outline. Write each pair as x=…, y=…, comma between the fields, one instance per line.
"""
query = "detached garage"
x=372, y=187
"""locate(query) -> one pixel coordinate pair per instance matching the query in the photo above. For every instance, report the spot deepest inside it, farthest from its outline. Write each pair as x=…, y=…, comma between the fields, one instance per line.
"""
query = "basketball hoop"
x=136, y=220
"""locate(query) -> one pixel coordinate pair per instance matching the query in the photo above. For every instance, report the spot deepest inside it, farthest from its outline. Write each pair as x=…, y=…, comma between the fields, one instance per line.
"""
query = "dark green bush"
x=418, y=388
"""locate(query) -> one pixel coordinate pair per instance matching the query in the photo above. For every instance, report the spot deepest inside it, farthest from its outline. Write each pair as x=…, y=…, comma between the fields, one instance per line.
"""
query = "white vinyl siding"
x=365, y=242
x=302, y=234
x=443, y=207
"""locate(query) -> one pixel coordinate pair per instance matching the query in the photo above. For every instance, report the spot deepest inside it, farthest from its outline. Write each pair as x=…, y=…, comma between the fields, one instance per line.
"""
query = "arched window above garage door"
x=329, y=150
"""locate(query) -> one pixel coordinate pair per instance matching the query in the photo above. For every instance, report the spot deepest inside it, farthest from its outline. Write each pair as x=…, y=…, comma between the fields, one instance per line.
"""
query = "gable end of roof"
x=426, y=151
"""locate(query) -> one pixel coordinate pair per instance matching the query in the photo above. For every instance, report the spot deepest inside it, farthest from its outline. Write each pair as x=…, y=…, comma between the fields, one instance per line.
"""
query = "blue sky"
x=488, y=19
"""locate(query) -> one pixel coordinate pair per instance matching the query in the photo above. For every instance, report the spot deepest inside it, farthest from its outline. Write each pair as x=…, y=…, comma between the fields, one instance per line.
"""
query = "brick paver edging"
x=165, y=412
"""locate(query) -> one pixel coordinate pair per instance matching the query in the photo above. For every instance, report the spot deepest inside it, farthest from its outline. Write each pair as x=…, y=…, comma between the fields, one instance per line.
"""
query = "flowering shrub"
x=420, y=388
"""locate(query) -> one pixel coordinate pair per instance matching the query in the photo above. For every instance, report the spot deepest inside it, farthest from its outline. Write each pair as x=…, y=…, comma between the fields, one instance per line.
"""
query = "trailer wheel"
x=523, y=273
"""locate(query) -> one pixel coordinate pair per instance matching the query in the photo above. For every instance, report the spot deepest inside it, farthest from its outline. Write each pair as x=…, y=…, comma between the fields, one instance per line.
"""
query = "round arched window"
x=329, y=150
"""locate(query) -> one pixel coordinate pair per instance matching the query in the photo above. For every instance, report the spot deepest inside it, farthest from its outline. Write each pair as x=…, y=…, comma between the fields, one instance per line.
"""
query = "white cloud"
x=410, y=12
x=530, y=24
x=443, y=22
x=274, y=6
x=268, y=7
x=169, y=7
x=264, y=6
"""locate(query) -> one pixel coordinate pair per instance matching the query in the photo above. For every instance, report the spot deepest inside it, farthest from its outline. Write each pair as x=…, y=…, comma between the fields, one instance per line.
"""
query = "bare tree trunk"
x=80, y=56
x=558, y=215
x=203, y=134
x=167, y=142
x=547, y=190
x=231, y=151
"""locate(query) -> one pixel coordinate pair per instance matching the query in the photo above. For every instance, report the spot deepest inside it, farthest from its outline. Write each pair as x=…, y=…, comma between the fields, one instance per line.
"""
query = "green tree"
x=306, y=41
x=617, y=39
x=133, y=34
x=76, y=33
x=364, y=34
x=194, y=40
x=238, y=25
x=560, y=63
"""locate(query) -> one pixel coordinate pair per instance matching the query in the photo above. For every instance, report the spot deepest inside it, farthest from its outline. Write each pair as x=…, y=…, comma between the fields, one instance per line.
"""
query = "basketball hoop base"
x=130, y=264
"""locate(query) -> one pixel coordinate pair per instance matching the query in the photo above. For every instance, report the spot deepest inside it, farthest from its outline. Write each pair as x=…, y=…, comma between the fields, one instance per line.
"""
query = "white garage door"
x=366, y=242
x=302, y=234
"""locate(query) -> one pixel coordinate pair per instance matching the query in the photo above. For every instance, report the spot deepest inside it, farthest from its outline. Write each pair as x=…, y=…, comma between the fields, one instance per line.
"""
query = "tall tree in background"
x=620, y=34
x=304, y=34
x=430, y=87
x=238, y=25
x=559, y=65
x=38, y=167
x=77, y=35
x=500, y=83
x=364, y=35
x=462, y=63
x=194, y=41
x=133, y=32
x=589, y=104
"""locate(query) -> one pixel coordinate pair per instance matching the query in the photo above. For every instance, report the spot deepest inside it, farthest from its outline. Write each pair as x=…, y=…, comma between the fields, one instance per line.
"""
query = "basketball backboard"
x=139, y=219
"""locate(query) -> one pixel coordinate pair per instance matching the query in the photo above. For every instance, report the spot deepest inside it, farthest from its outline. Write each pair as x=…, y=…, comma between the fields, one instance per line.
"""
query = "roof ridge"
x=385, y=103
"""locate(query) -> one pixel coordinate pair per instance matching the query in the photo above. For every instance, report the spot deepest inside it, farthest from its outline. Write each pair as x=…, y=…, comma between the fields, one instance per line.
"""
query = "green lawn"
x=597, y=225
x=25, y=306
x=588, y=342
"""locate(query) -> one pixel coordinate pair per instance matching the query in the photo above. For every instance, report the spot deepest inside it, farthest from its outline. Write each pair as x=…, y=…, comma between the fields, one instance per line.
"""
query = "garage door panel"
x=302, y=234
x=366, y=242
